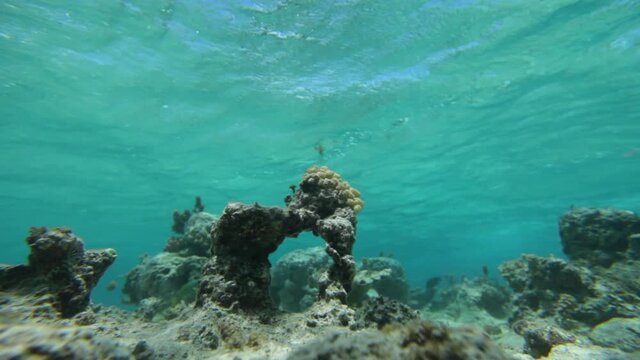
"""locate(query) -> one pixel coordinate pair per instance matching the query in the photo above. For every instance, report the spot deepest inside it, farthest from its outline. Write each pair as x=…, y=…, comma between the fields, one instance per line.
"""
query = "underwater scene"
x=328, y=180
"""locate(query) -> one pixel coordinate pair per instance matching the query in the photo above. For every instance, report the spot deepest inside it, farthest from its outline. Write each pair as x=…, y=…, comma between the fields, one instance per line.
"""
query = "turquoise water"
x=468, y=126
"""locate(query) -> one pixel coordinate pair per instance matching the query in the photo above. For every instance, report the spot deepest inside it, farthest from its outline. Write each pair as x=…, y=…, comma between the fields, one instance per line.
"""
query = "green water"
x=468, y=126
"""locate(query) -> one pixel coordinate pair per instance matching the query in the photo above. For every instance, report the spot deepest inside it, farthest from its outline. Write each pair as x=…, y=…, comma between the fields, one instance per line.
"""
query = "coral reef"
x=295, y=278
x=195, y=237
x=170, y=278
x=379, y=276
x=570, y=296
x=238, y=275
x=540, y=340
x=480, y=294
x=598, y=236
x=560, y=301
x=381, y=311
x=180, y=218
x=585, y=308
x=163, y=276
x=58, y=265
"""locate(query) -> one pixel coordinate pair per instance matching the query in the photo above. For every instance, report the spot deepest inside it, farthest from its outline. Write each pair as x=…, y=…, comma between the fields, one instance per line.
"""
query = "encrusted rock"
x=382, y=311
x=195, y=239
x=539, y=341
x=180, y=219
x=572, y=295
x=479, y=293
x=166, y=276
x=238, y=273
x=382, y=276
x=597, y=236
x=547, y=273
x=296, y=276
x=59, y=264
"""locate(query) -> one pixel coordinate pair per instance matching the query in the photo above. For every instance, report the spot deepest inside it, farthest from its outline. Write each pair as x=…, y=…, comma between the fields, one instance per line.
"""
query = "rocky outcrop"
x=595, y=291
x=479, y=294
x=540, y=340
x=379, y=276
x=166, y=276
x=598, y=236
x=238, y=274
x=195, y=240
x=60, y=266
x=170, y=278
x=381, y=311
x=295, y=278
x=570, y=295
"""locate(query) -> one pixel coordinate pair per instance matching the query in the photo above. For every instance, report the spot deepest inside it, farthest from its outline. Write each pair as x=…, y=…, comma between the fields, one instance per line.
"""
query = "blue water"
x=468, y=126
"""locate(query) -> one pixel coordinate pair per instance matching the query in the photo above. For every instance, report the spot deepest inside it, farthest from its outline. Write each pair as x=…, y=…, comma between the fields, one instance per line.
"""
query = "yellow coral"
x=332, y=180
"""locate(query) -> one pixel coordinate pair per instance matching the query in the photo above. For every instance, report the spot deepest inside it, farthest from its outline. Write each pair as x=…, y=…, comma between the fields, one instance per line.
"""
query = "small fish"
x=112, y=285
x=319, y=148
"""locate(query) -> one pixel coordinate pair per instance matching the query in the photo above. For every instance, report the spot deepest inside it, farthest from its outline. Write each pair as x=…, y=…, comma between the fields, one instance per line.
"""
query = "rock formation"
x=238, y=273
x=60, y=266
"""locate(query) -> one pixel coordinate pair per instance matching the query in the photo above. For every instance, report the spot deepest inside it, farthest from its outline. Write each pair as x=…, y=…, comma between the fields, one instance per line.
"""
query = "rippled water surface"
x=468, y=126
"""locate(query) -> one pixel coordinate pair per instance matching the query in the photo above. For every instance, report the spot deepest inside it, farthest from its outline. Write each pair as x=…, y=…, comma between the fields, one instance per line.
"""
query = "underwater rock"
x=142, y=351
x=381, y=311
x=238, y=273
x=547, y=286
x=18, y=342
x=597, y=236
x=295, y=278
x=383, y=276
x=166, y=276
x=540, y=340
x=180, y=219
x=479, y=293
x=149, y=307
x=59, y=265
x=570, y=295
x=416, y=340
x=196, y=237
x=618, y=333
x=547, y=273
x=244, y=236
x=330, y=313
